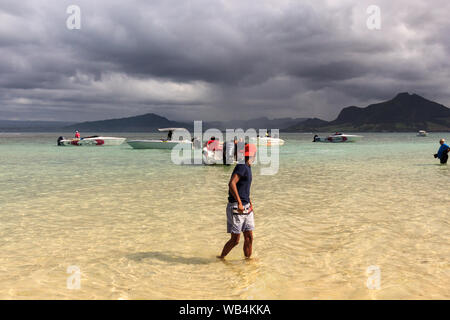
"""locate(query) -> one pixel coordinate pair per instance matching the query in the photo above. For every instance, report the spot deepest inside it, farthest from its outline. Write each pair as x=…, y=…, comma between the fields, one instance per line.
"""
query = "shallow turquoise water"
x=139, y=226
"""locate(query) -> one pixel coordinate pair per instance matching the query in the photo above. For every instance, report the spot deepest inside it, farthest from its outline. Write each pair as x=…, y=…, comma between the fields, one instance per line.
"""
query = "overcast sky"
x=216, y=60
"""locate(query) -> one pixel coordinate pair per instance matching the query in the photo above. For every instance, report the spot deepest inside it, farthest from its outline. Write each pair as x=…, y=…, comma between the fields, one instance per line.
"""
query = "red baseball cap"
x=250, y=150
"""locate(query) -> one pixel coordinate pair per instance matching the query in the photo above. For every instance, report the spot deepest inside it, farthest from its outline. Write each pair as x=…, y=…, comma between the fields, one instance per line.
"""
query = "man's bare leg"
x=248, y=241
x=233, y=242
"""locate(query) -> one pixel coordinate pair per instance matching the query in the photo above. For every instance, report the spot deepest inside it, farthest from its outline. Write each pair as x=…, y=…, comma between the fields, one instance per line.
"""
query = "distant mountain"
x=308, y=125
x=405, y=112
x=151, y=122
x=143, y=123
x=30, y=126
x=258, y=123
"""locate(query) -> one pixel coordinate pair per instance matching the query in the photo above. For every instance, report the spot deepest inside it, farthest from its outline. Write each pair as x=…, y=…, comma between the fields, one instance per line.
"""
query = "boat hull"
x=339, y=139
x=268, y=141
x=96, y=141
x=157, y=144
x=217, y=157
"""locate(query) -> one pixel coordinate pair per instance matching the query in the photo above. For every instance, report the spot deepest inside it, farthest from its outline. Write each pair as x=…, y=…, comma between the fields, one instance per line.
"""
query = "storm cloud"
x=215, y=60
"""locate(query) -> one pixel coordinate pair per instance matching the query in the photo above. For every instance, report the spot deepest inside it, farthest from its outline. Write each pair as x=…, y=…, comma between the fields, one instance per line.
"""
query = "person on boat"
x=240, y=216
x=77, y=135
x=169, y=135
x=442, y=152
x=239, y=149
x=235, y=148
x=213, y=144
x=228, y=152
x=196, y=143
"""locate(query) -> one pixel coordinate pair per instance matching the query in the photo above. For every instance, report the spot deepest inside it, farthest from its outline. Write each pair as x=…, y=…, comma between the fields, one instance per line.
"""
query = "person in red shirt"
x=77, y=135
x=213, y=144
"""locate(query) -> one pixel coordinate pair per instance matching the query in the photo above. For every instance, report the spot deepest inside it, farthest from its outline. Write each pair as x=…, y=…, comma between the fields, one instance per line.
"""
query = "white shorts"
x=237, y=223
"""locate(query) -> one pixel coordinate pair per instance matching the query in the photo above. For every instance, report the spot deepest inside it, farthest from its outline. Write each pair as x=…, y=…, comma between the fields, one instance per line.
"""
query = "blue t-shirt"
x=243, y=185
x=441, y=150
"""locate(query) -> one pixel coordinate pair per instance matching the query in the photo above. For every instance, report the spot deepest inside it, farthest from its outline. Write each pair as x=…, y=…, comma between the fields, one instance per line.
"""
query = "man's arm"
x=234, y=191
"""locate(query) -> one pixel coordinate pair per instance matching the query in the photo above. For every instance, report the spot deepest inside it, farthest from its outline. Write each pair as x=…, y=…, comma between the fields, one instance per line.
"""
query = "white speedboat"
x=212, y=157
x=223, y=155
x=157, y=144
x=338, y=137
x=91, y=141
x=268, y=141
x=422, y=133
x=167, y=143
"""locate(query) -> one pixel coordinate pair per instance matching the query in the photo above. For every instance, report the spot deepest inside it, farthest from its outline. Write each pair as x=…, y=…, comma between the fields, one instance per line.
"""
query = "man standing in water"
x=240, y=209
x=443, y=152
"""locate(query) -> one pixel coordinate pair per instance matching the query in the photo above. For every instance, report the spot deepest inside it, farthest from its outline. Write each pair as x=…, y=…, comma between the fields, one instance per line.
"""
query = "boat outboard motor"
x=59, y=140
x=228, y=152
x=315, y=138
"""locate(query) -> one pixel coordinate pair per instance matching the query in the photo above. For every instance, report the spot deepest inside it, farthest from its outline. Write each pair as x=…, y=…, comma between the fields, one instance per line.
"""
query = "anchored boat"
x=167, y=143
x=268, y=141
x=225, y=154
x=422, y=133
x=91, y=141
x=338, y=137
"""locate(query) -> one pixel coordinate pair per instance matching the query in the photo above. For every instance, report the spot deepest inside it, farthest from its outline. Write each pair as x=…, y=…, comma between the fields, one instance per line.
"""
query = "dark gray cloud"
x=211, y=60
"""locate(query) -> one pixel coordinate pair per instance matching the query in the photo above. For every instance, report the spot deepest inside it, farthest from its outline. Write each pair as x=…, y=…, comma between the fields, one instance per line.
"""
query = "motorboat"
x=211, y=157
x=224, y=154
x=157, y=144
x=338, y=137
x=166, y=143
x=422, y=133
x=268, y=141
x=91, y=141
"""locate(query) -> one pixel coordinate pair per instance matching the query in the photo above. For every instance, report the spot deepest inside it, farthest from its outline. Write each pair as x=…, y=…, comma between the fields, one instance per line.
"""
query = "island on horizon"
x=404, y=113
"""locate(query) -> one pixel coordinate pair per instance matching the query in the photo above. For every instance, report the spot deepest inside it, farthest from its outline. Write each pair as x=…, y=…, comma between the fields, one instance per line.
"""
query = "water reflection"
x=169, y=257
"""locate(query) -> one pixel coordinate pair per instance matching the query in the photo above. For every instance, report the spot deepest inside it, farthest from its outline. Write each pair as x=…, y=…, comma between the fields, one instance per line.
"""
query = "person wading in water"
x=442, y=152
x=240, y=216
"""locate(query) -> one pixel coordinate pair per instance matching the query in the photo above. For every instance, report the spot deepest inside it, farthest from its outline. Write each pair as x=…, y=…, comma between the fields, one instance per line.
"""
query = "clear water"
x=140, y=227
